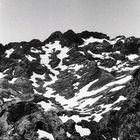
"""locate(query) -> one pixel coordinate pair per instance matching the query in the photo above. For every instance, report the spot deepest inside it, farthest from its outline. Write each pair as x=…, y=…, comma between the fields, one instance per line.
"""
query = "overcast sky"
x=28, y=19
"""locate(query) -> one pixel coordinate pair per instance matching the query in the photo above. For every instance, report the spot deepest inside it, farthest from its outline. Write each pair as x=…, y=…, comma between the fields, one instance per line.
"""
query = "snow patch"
x=30, y=58
x=82, y=52
x=13, y=80
x=48, y=49
x=118, y=52
x=46, y=106
x=45, y=134
x=76, y=118
x=107, y=107
x=117, y=88
x=73, y=102
x=121, y=98
x=98, y=117
x=96, y=55
x=120, y=81
x=2, y=75
x=76, y=67
x=33, y=50
x=132, y=57
x=117, y=108
x=68, y=134
x=62, y=55
x=91, y=40
x=34, y=76
x=9, y=52
x=82, y=131
x=7, y=99
x=89, y=102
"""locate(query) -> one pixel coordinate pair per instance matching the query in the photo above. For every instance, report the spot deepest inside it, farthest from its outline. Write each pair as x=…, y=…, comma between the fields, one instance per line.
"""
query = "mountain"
x=71, y=86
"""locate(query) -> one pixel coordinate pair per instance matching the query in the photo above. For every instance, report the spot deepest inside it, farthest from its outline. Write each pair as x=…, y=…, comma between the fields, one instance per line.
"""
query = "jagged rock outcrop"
x=87, y=34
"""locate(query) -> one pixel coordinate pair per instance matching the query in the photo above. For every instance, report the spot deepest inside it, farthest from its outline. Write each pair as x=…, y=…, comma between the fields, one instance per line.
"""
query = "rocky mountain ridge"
x=71, y=86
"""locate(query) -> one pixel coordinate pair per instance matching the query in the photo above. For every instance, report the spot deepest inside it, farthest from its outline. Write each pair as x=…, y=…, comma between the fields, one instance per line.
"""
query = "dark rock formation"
x=87, y=34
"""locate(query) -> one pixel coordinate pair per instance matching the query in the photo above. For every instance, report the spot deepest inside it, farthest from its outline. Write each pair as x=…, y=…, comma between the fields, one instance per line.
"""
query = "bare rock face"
x=21, y=120
x=72, y=86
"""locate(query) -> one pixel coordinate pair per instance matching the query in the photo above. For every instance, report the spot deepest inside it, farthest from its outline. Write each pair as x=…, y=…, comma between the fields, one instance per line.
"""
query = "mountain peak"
x=81, y=86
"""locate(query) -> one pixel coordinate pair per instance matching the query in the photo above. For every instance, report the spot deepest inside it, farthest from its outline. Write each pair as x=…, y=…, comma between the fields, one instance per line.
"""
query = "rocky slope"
x=71, y=86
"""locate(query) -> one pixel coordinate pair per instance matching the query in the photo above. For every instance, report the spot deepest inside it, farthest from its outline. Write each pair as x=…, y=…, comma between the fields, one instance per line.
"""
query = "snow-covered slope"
x=84, y=82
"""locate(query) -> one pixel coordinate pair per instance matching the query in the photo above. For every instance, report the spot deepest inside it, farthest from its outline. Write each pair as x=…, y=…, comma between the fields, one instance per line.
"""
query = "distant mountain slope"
x=71, y=86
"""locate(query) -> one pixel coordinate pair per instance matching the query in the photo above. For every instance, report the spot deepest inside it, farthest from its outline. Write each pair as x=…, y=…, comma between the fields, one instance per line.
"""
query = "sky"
x=28, y=19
